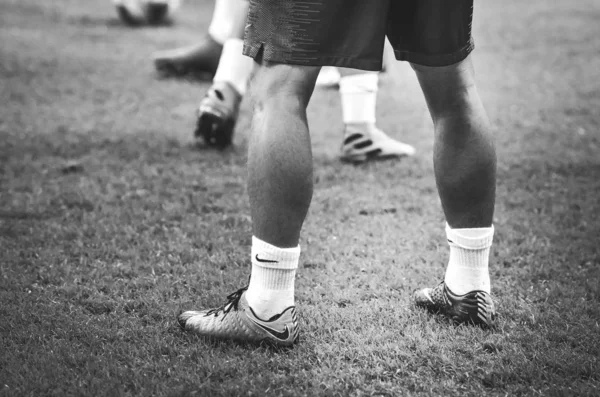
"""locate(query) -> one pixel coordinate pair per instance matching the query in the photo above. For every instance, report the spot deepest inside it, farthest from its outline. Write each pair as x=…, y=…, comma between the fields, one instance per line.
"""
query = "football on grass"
x=146, y=12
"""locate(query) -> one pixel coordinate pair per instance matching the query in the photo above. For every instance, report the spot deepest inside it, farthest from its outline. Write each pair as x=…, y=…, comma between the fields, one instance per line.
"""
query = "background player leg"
x=204, y=56
x=218, y=111
x=329, y=77
x=363, y=141
x=465, y=172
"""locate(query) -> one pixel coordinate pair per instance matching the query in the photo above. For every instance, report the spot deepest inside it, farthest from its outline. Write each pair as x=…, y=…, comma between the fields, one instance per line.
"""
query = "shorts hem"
x=435, y=60
x=268, y=53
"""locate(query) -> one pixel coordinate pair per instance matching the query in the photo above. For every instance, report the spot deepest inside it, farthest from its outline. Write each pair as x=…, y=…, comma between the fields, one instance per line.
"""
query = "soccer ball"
x=146, y=12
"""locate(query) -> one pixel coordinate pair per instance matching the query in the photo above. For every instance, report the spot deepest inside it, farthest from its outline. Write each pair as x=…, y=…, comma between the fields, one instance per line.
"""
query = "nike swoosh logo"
x=281, y=335
x=264, y=260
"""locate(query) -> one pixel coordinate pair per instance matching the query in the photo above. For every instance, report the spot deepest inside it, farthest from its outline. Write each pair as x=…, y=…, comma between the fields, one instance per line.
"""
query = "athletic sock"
x=271, y=288
x=329, y=76
x=225, y=17
x=469, y=257
x=358, y=93
x=234, y=67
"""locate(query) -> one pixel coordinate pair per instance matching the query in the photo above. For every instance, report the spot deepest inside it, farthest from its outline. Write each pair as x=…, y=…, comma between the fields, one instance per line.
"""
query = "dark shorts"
x=351, y=33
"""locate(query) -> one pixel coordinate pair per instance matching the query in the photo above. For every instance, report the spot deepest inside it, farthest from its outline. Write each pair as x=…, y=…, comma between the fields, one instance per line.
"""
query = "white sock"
x=329, y=76
x=234, y=67
x=359, y=97
x=469, y=257
x=225, y=19
x=271, y=288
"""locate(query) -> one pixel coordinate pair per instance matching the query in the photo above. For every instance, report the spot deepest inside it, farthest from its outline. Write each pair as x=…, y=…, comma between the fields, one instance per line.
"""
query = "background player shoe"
x=329, y=77
x=236, y=321
x=217, y=115
x=475, y=307
x=359, y=146
x=196, y=60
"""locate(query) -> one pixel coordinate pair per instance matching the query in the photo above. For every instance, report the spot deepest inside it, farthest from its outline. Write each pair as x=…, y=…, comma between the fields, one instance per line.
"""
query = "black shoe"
x=197, y=60
x=475, y=307
x=217, y=115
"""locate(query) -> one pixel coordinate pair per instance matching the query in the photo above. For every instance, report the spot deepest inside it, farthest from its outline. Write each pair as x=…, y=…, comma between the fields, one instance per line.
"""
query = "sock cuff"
x=234, y=67
x=233, y=44
x=270, y=256
x=471, y=239
x=358, y=83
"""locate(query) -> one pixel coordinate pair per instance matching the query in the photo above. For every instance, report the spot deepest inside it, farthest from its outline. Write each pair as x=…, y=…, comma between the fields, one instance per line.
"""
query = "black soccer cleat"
x=217, y=115
x=193, y=61
x=475, y=307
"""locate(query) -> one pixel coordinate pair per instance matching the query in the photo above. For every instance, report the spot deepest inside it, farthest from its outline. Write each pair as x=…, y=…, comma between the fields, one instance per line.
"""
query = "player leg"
x=280, y=184
x=464, y=154
x=465, y=171
x=280, y=177
x=203, y=58
x=464, y=157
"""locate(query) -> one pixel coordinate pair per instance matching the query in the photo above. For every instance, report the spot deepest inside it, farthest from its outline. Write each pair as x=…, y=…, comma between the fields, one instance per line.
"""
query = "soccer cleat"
x=329, y=77
x=237, y=321
x=217, y=115
x=359, y=147
x=475, y=307
x=196, y=60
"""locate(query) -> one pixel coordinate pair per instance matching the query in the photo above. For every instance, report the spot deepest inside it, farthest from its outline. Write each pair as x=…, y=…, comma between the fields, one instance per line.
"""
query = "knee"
x=461, y=67
x=279, y=83
x=449, y=90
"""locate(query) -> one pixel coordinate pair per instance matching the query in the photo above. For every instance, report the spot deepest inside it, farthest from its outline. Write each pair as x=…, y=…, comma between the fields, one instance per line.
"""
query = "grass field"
x=111, y=221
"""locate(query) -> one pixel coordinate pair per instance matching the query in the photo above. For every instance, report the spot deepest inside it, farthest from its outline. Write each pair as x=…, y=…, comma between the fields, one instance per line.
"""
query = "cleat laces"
x=233, y=300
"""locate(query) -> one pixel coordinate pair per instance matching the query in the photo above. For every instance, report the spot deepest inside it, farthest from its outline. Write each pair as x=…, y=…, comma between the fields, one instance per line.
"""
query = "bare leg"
x=280, y=173
x=280, y=188
x=464, y=153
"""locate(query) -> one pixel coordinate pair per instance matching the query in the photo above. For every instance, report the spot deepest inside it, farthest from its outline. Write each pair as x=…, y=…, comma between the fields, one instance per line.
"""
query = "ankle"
x=468, y=265
x=271, y=287
x=360, y=127
x=226, y=90
x=268, y=303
